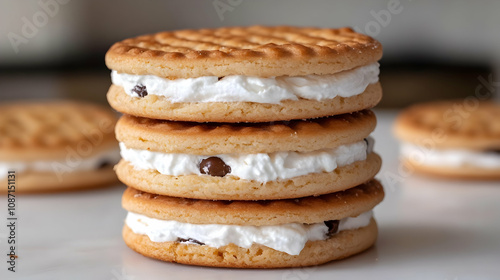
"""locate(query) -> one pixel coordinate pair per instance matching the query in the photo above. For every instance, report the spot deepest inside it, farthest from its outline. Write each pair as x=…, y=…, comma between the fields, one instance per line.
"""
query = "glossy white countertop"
x=429, y=229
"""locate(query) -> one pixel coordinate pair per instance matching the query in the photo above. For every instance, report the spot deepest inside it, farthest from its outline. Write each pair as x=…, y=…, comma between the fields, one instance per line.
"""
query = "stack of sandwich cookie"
x=248, y=147
x=54, y=146
x=454, y=139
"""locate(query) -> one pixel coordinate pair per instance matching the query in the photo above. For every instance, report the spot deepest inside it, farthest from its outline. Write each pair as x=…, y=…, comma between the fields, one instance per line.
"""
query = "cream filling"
x=72, y=164
x=289, y=238
x=259, y=167
x=238, y=88
x=450, y=157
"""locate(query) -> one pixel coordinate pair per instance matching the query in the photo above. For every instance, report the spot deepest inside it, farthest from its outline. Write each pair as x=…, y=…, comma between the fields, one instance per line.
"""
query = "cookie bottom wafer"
x=339, y=246
x=233, y=188
x=160, y=108
x=43, y=182
x=458, y=172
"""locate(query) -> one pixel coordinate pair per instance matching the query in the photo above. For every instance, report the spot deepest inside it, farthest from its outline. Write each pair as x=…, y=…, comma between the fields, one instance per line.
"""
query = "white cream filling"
x=450, y=157
x=259, y=167
x=289, y=238
x=72, y=164
x=239, y=88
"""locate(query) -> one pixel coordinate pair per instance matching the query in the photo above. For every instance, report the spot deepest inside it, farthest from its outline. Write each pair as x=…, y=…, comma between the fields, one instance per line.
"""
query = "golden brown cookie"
x=158, y=107
x=57, y=145
x=462, y=172
x=455, y=139
x=45, y=182
x=252, y=51
x=232, y=188
x=335, y=206
x=341, y=245
x=217, y=138
x=459, y=124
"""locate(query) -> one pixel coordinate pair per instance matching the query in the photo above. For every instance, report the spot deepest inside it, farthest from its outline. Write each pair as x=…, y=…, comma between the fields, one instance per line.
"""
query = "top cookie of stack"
x=245, y=74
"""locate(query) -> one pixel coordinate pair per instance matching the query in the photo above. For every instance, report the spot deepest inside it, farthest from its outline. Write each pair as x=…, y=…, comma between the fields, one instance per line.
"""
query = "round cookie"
x=257, y=57
x=57, y=145
x=159, y=107
x=458, y=124
x=219, y=138
x=309, y=210
x=455, y=139
x=340, y=246
x=251, y=51
x=303, y=136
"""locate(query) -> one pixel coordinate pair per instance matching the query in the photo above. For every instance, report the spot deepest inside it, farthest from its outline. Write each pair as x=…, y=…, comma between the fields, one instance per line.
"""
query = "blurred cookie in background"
x=455, y=139
x=55, y=146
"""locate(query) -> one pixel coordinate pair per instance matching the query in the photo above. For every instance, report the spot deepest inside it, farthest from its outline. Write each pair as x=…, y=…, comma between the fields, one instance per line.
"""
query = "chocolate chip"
x=333, y=226
x=370, y=142
x=191, y=240
x=214, y=166
x=104, y=164
x=140, y=90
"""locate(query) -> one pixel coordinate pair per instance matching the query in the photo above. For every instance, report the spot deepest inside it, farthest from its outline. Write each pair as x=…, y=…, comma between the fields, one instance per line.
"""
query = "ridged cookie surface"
x=252, y=51
x=466, y=124
x=47, y=130
x=335, y=206
x=217, y=138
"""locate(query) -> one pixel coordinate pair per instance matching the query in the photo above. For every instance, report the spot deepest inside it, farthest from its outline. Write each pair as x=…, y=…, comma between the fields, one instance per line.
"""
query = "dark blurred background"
x=432, y=49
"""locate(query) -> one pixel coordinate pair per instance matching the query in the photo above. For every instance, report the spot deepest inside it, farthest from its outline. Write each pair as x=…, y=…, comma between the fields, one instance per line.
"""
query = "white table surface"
x=429, y=229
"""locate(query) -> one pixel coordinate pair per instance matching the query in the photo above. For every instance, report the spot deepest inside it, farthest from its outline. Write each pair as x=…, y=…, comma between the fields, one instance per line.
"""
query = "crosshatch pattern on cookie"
x=343, y=48
x=253, y=41
x=219, y=138
x=313, y=209
x=28, y=128
x=452, y=124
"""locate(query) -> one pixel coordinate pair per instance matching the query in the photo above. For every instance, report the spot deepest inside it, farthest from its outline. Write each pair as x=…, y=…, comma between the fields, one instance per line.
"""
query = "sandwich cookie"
x=245, y=74
x=53, y=146
x=252, y=234
x=260, y=161
x=456, y=139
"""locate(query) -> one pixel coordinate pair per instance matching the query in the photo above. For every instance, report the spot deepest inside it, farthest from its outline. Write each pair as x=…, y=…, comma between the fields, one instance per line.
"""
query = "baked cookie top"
x=252, y=51
x=218, y=138
x=50, y=130
x=458, y=124
x=335, y=206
